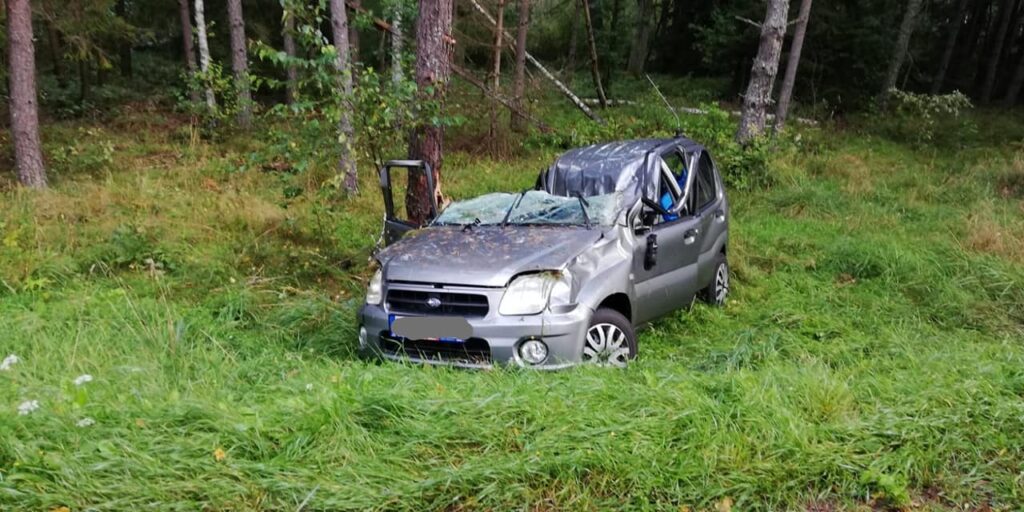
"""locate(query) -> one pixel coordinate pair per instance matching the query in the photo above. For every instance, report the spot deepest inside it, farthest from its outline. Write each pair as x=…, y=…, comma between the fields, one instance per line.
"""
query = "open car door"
x=393, y=184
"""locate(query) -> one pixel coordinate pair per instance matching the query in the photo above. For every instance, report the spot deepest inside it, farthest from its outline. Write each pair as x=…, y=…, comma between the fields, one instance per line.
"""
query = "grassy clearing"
x=871, y=355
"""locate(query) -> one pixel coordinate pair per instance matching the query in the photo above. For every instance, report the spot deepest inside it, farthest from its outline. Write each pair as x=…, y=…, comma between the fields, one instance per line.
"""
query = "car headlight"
x=529, y=294
x=375, y=290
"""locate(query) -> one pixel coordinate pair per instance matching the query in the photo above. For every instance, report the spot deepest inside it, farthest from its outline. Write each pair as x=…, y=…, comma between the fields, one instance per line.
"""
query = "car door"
x=393, y=185
x=666, y=283
x=710, y=209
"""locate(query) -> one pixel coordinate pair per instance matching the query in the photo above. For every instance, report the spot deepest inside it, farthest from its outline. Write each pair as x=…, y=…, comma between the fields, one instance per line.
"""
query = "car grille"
x=418, y=302
x=473, y=350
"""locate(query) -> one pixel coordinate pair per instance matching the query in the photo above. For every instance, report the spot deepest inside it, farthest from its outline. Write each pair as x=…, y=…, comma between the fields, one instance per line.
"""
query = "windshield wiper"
x=583, y=207
x=470, y=225
x=513, y=206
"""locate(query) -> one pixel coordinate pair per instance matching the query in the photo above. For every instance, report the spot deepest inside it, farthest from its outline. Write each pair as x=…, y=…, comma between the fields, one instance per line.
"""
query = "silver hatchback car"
x=611, y=237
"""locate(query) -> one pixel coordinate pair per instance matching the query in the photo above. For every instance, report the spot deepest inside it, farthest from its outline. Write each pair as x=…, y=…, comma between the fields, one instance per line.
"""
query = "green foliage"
x=91, y=157
x=927, y=118
x=222, y=84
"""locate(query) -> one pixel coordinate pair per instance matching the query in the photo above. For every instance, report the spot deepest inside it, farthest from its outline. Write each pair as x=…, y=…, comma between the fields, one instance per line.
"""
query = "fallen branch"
x=544, y=71
x=694, y=111
x=462, y=73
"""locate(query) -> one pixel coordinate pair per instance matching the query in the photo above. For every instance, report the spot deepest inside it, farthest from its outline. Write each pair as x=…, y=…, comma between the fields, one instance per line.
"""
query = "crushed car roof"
x=620, y=166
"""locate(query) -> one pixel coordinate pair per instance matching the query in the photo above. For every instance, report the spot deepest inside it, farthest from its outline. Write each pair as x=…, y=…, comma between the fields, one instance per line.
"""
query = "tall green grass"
x=871, y=354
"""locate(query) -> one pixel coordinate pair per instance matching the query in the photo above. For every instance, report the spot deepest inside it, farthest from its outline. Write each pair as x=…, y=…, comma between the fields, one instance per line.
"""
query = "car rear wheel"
x=718, y=289
x=610, y=340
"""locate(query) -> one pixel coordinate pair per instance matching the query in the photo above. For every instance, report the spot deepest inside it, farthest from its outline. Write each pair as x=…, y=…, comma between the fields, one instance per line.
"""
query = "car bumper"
x=562, y=331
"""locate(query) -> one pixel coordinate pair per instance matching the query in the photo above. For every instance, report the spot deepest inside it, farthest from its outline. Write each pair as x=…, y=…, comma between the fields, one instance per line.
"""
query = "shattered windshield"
x=533, y=207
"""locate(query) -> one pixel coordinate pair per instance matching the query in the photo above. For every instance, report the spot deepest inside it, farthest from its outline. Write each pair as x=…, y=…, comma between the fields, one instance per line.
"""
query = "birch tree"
x=762, y=74
x=434, y=45
x=23, y=102
x=240, y=62
x=343, y=67
x=789, y=79
x=899, y=52
x=288, y=35
x=204, y=54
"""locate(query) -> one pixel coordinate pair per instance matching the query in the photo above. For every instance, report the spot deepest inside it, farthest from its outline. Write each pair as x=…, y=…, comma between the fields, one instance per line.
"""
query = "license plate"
x=440, y=328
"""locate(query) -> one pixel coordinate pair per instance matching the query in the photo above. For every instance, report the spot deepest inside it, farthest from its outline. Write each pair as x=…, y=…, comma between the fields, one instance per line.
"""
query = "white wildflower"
x=27, y=407
x=309, y=387
x=82, y=379
x=8, y=362
x=86, y=422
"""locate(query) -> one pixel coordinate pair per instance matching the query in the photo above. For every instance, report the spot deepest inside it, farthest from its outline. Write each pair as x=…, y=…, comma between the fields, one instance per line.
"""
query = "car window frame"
x=679, y=208
x=713, y=169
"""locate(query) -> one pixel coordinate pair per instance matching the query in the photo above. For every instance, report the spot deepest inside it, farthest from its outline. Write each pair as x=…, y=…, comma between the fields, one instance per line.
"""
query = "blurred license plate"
x=441, y=328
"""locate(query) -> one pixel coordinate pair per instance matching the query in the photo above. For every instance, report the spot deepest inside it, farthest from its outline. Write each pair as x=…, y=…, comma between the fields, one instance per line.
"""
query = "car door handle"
x=690, y=236
x=720, y=215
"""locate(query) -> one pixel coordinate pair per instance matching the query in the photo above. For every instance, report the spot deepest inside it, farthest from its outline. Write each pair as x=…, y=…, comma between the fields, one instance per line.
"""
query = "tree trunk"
x=396, y=47
x=496, y=73
x=570, y=61
x=186, y=45
x=434, y=46
x=204, y=54
x=57, y=53
x=240, y=62
x=789, y=79
x=1005, y=16
x=899, y=53
x=611, y=45
x=1013, y=90
x=343, y=66
x=641, y=37
x=519, y=77
x=353, y=33
x=289, y=48
x=595, y=69
x=947, y=53
x=762, y=74
x=125, y=50
x=24, y=109
x=83, y=80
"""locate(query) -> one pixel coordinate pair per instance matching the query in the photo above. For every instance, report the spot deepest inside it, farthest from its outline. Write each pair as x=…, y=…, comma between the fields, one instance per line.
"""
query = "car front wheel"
x=610, y=340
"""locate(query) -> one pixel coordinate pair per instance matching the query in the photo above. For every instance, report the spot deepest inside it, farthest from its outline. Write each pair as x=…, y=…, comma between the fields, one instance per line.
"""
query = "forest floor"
x=871, y=356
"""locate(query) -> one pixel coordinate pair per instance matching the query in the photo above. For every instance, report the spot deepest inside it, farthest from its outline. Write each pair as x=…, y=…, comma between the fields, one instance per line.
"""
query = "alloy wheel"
x=721, y=283
x=606, y=345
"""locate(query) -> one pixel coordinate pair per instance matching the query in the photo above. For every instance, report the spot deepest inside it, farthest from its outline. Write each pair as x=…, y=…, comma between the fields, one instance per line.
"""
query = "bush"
x=925, y=118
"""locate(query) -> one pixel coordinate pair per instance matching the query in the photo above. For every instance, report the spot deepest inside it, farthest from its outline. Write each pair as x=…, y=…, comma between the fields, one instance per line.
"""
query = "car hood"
x=483, y=255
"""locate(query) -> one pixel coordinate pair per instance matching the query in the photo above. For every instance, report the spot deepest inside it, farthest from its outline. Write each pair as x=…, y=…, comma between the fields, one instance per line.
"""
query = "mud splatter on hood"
x=484, y=255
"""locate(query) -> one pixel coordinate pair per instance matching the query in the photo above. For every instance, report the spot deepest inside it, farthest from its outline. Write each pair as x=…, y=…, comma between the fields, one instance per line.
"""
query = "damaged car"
x=611, y=237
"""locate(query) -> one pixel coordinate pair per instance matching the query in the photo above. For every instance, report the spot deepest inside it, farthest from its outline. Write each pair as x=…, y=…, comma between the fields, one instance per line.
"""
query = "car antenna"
x=679, y=124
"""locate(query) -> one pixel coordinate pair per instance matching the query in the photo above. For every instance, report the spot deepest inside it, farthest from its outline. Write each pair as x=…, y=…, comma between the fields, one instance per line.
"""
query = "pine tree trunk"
x=343, y=66
x=353, y=32
x=289, y=49
x=947, y=53
x=57, y=53
x=493, y=132
x=570, y=61
x=641, y=36
x=396, y=47
x=789, y=79
x=1014, y=88
x=762, y=74
x=204, y=54
x=186, y=45
x=23, y=102
x=434, y=46
x=240, y=62
x=519, y=77
x=595, y=69
x=125, y=50
x=899, y=53
x=1005, y=16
